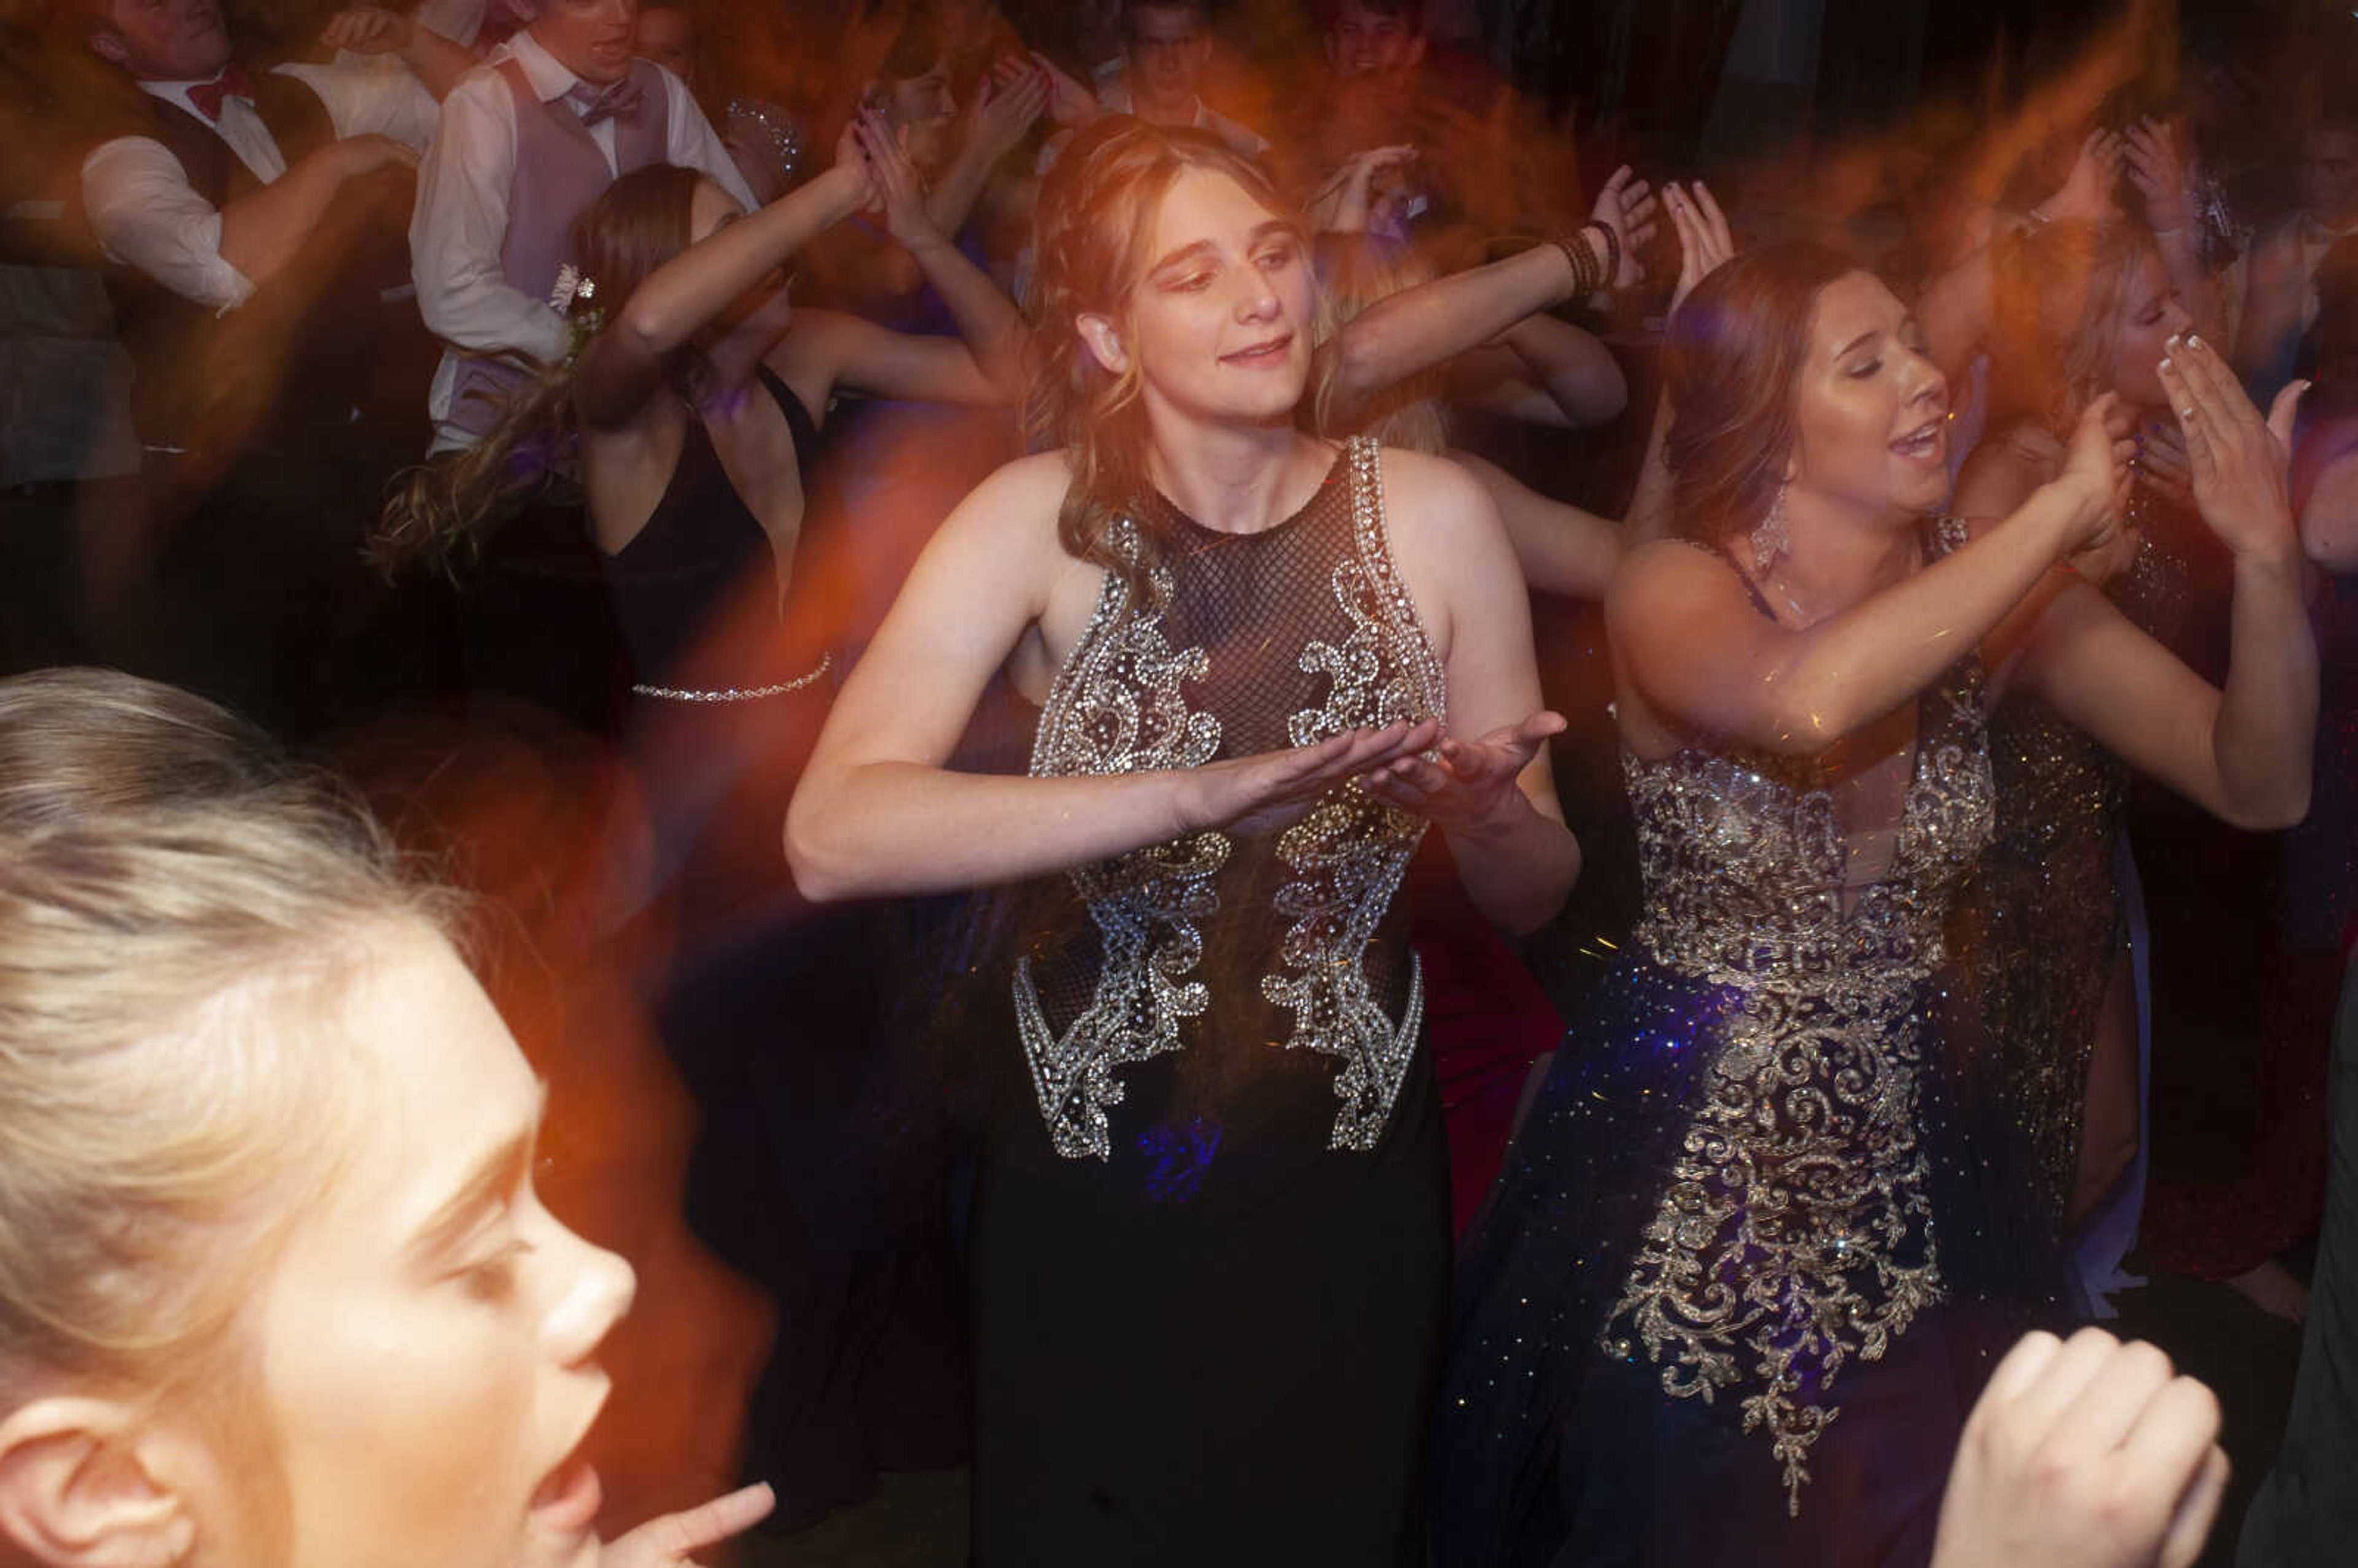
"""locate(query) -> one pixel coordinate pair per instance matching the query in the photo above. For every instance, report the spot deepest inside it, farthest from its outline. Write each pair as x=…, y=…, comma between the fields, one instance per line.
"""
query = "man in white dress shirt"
x=528, y=141
x=211, y=232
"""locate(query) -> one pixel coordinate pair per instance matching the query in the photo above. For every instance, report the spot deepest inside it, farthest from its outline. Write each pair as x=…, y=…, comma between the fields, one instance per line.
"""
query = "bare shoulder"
x=1017, y=503
x=1667, y=577
x=1427, y=486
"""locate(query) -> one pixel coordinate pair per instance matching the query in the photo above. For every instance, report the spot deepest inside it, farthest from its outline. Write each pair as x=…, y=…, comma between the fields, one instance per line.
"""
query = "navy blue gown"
x=1763, y=1232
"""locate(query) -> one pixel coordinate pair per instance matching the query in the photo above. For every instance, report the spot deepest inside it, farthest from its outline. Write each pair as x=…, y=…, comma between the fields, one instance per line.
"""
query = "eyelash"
x=1272, y=260
x=493, y=1277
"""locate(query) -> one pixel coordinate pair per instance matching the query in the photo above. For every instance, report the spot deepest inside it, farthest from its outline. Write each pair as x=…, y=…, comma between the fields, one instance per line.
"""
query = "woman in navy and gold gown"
x=1765, y=1231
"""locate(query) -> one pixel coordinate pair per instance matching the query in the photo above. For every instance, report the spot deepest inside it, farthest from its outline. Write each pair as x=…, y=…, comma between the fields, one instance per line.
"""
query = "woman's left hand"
x=1467, y=783
x=899, y=191
x=665, y=1542
x=1705, y=242
x=2238, y=460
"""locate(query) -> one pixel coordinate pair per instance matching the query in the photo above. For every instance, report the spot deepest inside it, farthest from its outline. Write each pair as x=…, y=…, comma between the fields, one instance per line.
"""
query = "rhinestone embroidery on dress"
x=1796, y=1230
x=1118, y=707
x=1348, y=855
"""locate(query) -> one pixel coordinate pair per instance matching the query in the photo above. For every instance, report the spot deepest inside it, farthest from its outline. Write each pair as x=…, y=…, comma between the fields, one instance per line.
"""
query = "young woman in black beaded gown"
x=1211, y=1237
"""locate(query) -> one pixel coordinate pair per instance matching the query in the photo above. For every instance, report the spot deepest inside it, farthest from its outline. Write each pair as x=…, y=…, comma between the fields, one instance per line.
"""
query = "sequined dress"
x=1211, y=1227
x=1756, y=1243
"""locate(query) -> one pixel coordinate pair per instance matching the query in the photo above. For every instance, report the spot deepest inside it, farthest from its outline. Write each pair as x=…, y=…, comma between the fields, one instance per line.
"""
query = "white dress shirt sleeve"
x=147, y=216
x=456, y=20
x=460, y=219
x=372, y=94
x=691, y=142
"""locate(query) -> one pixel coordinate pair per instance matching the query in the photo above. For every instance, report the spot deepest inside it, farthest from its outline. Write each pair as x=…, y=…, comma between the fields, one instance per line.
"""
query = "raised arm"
x=623, y=368
x=435, y=60
x=1544, y=371
x=1687, y=637
x=2243, y=752
x=2164, y=177
x=877, y=813
x=1420, y=327
x=1705, y=243
x=264, y=230
x=1954, y=307
x=1007, y=101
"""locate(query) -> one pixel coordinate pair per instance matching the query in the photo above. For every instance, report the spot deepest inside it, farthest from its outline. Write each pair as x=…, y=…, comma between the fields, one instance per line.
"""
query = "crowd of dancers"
x=1118, y=861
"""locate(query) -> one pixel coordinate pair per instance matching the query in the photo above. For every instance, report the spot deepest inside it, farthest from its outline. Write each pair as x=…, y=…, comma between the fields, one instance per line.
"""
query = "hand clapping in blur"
x=1627, y=206
x=2086, y=195
x=1342, y=205
x=899, y=193
x=1705, y=241
x=1007, y=103
x=2237, y=462
x=2096, y=474
x=2162, y=176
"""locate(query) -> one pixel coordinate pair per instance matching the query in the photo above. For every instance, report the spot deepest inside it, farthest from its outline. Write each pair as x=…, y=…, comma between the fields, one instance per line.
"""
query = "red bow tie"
x=207, y=96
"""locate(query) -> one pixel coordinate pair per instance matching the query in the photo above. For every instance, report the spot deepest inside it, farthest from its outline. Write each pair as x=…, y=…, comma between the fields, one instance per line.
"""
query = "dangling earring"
x=1770, y=539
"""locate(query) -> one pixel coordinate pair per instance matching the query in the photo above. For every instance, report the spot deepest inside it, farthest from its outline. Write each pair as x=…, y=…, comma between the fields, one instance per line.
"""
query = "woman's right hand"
x=2095, y=479
x=1256, y=793
x=899, y=191
x=2239, y=461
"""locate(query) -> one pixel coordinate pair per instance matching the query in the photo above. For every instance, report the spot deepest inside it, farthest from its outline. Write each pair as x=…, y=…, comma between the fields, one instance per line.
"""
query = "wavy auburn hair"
x=1091, y=233
x=1731, y=363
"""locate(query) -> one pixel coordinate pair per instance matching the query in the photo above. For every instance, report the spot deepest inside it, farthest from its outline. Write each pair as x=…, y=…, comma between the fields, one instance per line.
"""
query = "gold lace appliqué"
x=1795, y=1232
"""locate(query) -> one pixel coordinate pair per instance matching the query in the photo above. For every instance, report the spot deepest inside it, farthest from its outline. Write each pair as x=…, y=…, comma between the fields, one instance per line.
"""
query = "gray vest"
x=558, y=171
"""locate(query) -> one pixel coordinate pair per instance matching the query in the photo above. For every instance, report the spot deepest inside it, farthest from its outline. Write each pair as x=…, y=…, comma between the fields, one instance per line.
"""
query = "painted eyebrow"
x=1202, y=247
x=493, y=1176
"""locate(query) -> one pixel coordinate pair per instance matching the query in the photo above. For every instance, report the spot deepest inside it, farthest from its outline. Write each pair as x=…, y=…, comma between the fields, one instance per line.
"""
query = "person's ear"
x=107, y=45
x=1103, y=342
x=79, y=1487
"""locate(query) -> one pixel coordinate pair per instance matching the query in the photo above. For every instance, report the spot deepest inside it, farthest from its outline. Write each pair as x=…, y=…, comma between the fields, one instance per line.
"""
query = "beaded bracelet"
x=1584, y=265
x=1611, y=250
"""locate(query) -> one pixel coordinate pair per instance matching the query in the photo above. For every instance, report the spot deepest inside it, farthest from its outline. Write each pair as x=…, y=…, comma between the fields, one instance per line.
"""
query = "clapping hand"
x=2237, y=460
x=898, y=191
x=1006, y=104
x=1705, y=242
x=2162, y=464
x=1341, y=205
x=665, y=1542
x=1070, y=105
x=1627, y=207
x=1466, y=784
x=2161, y=177
x=2086, y=194
x=2096, y=476
x=2083, y=1454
